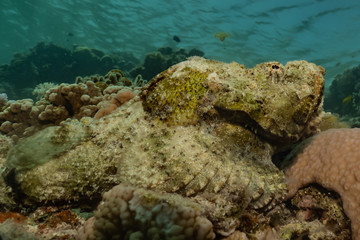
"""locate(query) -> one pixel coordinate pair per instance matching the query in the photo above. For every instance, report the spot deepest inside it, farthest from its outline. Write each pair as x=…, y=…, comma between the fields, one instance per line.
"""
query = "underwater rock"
x=203, y=129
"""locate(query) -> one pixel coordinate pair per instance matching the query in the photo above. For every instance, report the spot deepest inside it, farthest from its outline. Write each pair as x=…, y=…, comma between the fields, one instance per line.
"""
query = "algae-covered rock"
x=202, y=129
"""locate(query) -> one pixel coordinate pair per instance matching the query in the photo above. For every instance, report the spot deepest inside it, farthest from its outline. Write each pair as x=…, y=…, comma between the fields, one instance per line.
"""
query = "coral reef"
x=5, y=145
x=15, y=118
x=119, y=99
x=113, y=77
x=203, y=130
x=343, y=96
x=331, y=159
x=328, y=121
x=129, y=213
x=41, y=89
x=48, y=62
x=6, y=88
x=160, y=60
x=23, y=118
x=3, y=100
x=78, y=100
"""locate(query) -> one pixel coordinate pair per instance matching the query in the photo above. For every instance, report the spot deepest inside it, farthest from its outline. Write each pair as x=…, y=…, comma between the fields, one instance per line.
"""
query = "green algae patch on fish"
x=175, y=100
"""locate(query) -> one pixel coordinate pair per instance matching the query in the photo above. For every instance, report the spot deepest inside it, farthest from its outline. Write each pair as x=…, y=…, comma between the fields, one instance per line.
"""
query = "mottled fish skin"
x=202, y=129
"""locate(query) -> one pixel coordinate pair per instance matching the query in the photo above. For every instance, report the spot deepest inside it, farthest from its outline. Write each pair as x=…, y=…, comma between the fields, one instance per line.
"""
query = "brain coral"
x=332, y=159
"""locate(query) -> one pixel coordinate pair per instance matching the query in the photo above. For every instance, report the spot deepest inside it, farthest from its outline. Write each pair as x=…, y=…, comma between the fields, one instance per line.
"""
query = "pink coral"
x=331, y=159
x=119, y=99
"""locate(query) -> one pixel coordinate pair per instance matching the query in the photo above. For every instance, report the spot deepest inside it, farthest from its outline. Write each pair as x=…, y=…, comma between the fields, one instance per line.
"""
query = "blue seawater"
x=326, y=32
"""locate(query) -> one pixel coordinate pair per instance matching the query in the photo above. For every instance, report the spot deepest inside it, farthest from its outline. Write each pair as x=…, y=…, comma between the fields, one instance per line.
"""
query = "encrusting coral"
x=331, y=159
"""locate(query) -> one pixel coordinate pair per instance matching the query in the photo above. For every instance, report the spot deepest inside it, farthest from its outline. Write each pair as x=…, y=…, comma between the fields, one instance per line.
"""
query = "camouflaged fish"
x=204, y=130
